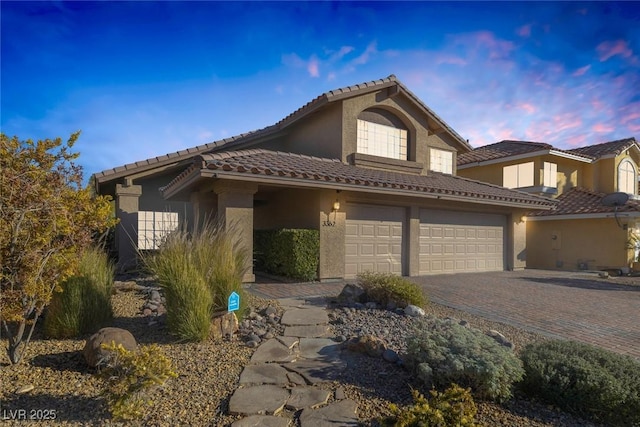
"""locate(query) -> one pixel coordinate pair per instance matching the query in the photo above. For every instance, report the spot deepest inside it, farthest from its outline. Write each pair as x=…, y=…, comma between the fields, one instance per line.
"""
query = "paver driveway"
x=577, y=306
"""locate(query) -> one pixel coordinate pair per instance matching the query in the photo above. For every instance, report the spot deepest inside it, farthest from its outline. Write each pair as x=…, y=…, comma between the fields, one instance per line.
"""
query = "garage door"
x=456, y=242
x=373, y=239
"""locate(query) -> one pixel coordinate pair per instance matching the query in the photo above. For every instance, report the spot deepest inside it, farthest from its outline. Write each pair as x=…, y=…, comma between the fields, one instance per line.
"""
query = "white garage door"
x=373, y=239
x=457, y=242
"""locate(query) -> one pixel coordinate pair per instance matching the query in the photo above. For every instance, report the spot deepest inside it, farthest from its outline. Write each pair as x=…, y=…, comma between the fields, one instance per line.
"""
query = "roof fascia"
x=526, y=156
x=602, y=215
x=278, y=181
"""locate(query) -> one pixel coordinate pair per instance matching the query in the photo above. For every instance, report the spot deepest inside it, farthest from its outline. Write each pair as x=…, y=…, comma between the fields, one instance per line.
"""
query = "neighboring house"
x=580, y=233
x=370, y=166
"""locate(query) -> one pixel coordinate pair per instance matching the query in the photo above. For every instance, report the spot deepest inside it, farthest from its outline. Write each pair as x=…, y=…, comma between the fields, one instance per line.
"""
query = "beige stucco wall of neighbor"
x=599, y=242
x=569, y=172
x=516, y=248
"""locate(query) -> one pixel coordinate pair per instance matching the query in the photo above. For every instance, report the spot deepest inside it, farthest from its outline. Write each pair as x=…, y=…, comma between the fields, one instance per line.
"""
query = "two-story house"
x=370, y=166
x=581, y=232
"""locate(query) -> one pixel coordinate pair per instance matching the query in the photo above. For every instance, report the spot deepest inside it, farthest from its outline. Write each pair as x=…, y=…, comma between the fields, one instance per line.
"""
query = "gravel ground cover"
x=65, y=388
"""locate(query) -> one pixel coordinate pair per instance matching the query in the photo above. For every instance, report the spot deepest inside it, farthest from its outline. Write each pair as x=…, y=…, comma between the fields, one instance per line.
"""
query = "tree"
x=46, y=220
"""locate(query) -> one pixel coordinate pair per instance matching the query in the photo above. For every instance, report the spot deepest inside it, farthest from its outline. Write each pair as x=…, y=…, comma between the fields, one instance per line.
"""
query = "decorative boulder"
x=96, y=356
x=224, y=326
x=501, y=339
x=414, y=311
x=367, y=344
x=351, y=294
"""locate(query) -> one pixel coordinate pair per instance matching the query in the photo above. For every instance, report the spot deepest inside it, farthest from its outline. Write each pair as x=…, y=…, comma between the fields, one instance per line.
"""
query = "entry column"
x=235, y=210
x=127, y=196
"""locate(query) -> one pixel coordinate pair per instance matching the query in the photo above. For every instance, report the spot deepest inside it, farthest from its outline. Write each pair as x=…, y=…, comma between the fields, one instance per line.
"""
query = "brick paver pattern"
x=577, y=306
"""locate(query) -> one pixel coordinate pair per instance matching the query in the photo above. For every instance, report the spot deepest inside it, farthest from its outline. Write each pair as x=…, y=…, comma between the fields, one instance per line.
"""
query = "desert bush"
x=198, y=271
x=441, y=352
x=84, y=304
x=385, y=287
x=129, y=375
x=585, y=380
x=453, y=407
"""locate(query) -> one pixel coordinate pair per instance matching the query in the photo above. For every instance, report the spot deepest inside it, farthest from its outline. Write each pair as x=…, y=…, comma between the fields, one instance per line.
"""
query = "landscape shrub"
x=453, y=407
x=129, y=375
x=585, y=380
x=441, y=352
x=293, y=253
x=84, y=304
x=386, y=287
x=198, y=271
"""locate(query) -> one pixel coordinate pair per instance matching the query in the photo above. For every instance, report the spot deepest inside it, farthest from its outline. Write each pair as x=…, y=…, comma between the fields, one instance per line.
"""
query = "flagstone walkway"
x=285, y=372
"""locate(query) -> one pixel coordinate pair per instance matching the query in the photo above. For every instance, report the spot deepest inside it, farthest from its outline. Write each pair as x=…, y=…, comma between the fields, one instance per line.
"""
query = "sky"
x=142, y=79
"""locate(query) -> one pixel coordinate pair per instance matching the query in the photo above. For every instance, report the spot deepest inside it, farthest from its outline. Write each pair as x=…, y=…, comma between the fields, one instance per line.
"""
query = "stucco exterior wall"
x=151, y=199
x=598, y=242
x=420, y=138
x=317, y=135
x=286, y=208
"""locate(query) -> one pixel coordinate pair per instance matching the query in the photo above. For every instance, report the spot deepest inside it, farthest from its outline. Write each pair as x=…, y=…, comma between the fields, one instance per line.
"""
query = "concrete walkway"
x=571, y=305
x=285, y=373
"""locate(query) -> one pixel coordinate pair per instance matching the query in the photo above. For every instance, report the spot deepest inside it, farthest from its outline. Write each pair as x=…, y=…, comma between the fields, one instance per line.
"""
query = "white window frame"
x=518, y=176
x=381, y=140
x=550, y=175
x=441, y=161
x=153, y=228
x=627, y=177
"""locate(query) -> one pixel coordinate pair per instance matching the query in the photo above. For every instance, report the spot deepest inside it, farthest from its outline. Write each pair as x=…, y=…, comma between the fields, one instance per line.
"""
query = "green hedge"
x=588, y=381
x=291, y=253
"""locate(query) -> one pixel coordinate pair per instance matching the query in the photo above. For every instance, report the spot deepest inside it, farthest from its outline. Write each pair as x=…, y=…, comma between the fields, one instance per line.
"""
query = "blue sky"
x=141, y=79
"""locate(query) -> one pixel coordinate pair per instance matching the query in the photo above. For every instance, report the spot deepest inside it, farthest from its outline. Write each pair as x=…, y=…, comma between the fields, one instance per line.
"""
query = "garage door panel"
x=460, y=242
x=378, y=238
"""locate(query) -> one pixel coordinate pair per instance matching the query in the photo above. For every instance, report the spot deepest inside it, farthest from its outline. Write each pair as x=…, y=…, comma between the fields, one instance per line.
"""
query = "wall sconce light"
x=336, y=206
x=523, y=218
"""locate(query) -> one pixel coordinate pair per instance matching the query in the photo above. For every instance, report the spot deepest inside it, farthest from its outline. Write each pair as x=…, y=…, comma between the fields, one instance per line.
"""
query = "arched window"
x=380, y=133
x=627, y=182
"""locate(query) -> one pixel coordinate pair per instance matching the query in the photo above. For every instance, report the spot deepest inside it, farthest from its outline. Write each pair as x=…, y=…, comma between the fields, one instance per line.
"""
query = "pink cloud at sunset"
x=609, y=49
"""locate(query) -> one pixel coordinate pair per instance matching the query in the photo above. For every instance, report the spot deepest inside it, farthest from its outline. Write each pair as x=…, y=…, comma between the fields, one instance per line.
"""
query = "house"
x=581, y=232
x=370, y=166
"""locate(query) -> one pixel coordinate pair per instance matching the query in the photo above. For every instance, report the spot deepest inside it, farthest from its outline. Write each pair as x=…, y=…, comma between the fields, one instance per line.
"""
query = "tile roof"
x=227, y=143
x=268, y=166
x=500, y=150
x=579, y=200
x=605, y=149
x=508, y=148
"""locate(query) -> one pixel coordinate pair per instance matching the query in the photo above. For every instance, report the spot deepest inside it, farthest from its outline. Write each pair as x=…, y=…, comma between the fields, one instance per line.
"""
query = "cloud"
x=341, y=53
x=581, y=71
x=524, y=31
x=602, y=128
x=445, y=58
x=313, y=67
x=365, y=56
x=608, y=49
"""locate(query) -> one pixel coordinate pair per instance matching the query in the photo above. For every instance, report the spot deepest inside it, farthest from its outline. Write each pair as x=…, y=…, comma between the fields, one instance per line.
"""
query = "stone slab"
x=314, y=371
x=264, y=373
x=307, y=397
x=291, y=302
x=262, y=421
x=304, y=316
x=273, y=351
x=307, y=331
x=290, y=342
x=342, y=413
x=319, y=349
x=258, y=400
x=296, y=379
